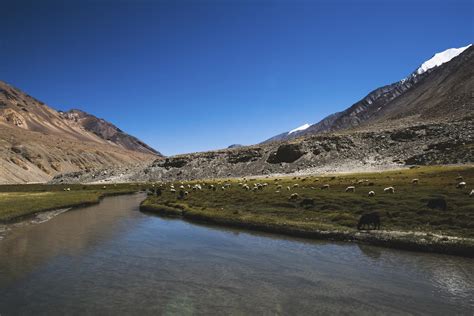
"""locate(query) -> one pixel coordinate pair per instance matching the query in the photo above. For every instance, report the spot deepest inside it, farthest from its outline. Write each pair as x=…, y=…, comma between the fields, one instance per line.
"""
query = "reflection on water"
x=111, y=258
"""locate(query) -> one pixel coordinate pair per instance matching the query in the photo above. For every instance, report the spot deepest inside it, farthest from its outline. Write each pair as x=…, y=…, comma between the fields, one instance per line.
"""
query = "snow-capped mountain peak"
x=441, y=58
x=301, y=128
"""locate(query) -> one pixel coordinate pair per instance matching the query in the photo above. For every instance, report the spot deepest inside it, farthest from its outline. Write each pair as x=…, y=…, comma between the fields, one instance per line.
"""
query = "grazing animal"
x=371, y=193
x=296, y=185
x=472, y=193
x=172, y=190
x=389, y=190
x=279, y=187
x=368, y=220
x=461, y=185
x=104, y=187
x=460, y=178
x=246, y=187
x=67, y=189
x=325, y=187
x=294, y=196
x=414, y=181
x=350, y=189
x=307, y=202
x=288, y=188
x=181, y=194
x=438, y=203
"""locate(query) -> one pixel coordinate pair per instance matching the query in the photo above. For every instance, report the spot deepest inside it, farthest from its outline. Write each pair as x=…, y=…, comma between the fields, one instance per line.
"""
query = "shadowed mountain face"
x=427, y=95
x=38, y=142
x=107, y=131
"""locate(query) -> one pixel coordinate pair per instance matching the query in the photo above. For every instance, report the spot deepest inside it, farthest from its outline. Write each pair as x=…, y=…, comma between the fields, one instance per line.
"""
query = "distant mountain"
x=38, y=142
x=443, y=82
x=235, y=146
x=107, y=131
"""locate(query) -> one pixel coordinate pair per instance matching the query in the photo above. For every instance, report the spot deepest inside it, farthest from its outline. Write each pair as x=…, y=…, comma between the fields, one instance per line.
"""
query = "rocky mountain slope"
x=453, y=69
x=426, y=119
x=107, y=131
x=38, y=142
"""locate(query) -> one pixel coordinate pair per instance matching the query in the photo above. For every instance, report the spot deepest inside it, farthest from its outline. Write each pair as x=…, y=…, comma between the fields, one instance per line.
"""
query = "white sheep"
x=350, y=189
x=172, y=190
x=325, y=187
x=371, y=193
x=288, y=188
x=472, y=193
x=414, y=181
x=294, y=196
x=461, y=185
x=296, y=185
x=389, y=190
x=279, y=187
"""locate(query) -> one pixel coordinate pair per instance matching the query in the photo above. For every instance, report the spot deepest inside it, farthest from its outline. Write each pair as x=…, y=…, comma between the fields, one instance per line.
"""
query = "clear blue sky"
x=190, y=76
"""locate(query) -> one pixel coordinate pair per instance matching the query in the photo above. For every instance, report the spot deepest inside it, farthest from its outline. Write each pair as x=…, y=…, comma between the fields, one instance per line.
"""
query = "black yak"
x=368, y=220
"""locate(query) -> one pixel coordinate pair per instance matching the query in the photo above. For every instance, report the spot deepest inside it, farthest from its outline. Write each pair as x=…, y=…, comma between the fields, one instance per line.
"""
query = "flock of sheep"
x=183, y=189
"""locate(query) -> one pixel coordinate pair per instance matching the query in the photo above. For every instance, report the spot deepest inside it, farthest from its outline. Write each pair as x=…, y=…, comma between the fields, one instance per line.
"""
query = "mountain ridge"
x=367, y=108
x=38, y=142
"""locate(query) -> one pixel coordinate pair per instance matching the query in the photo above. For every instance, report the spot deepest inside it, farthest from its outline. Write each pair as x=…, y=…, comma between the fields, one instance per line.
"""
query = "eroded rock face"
x=174, y=162
x=286, y=153
x=244, y=155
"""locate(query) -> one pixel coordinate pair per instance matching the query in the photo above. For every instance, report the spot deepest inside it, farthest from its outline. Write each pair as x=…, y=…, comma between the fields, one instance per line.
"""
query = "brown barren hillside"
x=38, y=142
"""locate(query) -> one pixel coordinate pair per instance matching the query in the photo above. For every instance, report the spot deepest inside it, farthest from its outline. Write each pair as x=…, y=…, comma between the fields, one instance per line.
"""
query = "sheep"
x=350, y=189
x=181, y=187
x=279, y=187
x=472, y=193
x=104, y=187
x=460, y=178
x=227, y=185
x=296, y=185
x=371, y=193
x=325, y=187
x=246, y=187
x=389, y=190
x=67, y=189
x=288, y=188
x=223, y=188
x=172, y=190
x=294, y=196
x=461, y=185
x=414, y=181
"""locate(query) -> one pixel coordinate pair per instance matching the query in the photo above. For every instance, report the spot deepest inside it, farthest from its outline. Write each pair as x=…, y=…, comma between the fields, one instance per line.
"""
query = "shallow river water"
x=112, y=259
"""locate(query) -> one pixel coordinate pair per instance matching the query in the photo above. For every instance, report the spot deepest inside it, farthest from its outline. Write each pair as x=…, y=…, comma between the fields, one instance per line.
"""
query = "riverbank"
x=407, y=220
x=21, y=202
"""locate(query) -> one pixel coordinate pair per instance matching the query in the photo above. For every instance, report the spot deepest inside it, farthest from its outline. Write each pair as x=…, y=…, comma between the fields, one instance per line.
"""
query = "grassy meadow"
x=17, y=201
x=333, y=209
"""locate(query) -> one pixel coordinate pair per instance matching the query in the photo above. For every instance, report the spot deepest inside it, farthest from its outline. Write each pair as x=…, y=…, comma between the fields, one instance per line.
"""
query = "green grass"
x=334, y=209
x=17, y=201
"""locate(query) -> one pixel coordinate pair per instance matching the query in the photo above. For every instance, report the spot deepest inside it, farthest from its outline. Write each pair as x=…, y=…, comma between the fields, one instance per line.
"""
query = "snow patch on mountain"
x=441, y=58
x=301, y=128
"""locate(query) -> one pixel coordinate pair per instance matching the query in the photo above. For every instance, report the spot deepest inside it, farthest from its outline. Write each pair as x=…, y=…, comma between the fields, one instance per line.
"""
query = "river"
x=112, y=259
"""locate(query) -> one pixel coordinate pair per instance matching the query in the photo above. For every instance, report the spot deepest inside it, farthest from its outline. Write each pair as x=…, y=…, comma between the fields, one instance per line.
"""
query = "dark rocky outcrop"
x=244, y=155
x=286, y=153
